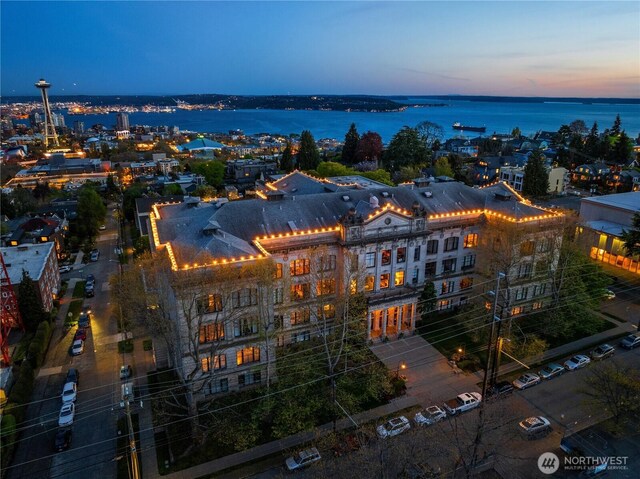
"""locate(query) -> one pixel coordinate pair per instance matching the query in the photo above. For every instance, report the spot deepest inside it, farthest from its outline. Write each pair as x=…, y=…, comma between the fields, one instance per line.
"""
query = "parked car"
x=67, y=413
x=631, y=341
x=73, y=376
x=393, y=427
x=102, y=227
x=90, y=280
x=526, y=380
x=86, y=309
x=65, y=269
x=551, y=370
x=431, y=415
x=69, y=392
x=84, y=321
x=500, y=389
x=602, y=352
x=81, y=333
x=462, y=402
x=63, y=439
x=95, y=254
x=303, y=459
x=89, y=292
x=535, y=427
x=576, y=362
x=609, y=294
x=125, y=372
x=77, y=347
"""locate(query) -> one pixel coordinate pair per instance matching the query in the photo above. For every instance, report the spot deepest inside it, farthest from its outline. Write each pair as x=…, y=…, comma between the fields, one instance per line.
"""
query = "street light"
x=401, y=365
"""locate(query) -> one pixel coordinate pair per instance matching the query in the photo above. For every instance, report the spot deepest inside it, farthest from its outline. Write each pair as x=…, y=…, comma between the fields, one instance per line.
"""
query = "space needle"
x=49, y=128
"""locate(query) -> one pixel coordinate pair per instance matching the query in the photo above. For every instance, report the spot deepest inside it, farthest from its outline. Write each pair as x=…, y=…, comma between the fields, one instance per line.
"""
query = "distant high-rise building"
x=35, y=118
x=122, y=122
x=49, y=127
x=58, y=120
x=78, y=127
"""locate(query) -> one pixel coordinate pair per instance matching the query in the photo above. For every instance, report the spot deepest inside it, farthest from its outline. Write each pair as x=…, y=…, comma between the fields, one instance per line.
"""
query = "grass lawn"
x=78, y=289
x=75, y=308
x=122, y=446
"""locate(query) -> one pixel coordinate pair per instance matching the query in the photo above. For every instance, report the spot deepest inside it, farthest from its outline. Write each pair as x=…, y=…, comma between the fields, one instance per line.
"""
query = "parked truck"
x=462, y=402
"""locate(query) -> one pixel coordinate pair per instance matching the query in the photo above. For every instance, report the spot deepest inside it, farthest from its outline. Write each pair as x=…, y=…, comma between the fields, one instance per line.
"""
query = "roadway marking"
x=49, y=371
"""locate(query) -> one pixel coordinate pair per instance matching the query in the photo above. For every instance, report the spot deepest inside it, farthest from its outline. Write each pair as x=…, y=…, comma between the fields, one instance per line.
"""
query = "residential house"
x=588, y=174
x=622, y=181
x=39, y=260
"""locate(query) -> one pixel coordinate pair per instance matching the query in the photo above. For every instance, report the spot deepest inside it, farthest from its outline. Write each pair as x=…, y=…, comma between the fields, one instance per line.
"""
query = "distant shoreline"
x=365, y=103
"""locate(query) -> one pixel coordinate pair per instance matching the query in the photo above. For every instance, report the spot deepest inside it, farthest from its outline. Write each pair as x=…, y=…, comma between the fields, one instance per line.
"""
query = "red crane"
x=9, y=314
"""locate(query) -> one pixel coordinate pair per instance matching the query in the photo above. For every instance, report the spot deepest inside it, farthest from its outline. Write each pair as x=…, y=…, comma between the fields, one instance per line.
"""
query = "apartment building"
x=327, y=240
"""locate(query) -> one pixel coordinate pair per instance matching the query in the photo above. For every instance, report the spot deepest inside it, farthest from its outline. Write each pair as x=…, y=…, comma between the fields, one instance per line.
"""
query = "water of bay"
x=499, y=117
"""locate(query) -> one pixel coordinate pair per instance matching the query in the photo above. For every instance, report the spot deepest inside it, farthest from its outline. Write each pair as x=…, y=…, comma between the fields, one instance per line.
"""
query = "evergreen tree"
x=308, y=155
x=616, y=129
x=592, y=143
x=516, y=133
x=631, y=238
x=407, y=148
x=29, y=303
x=427, y=301
x=350, y=147
x=286, y=162
x=536, y=178
x=622, y=149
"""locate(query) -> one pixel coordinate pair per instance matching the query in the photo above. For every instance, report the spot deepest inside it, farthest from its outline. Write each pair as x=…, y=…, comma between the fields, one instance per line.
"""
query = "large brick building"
x=328, y=240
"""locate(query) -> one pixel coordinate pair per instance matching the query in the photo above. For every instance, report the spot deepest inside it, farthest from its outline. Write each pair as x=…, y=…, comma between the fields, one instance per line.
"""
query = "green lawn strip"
x=613, y=341
x=78, y=289
x=123, y=448
x=75, y=308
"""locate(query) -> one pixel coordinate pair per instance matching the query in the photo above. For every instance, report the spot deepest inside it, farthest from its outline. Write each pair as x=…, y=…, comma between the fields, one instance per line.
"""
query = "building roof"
x=187, y=226
x=608, y=227
x=144, y=205
x=29, y=257
x=202, y=144
x=626, y=201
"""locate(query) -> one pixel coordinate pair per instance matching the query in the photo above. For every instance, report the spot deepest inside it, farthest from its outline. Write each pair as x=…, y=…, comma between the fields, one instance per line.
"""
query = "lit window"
x=471, y=240
x=401, y=255
x=327, y=311
x=278, y=271
x=248, y=355
x=300, y=316
x=218, y=361
x=527, y=248
x=326, y=286
x=399, y=278
x=384, y=281
x=211, y=332
x=386, y=257
x=369, y=283
x=536, y=305
x=300, y=291
x=517, y=310
x=299, y=267
x=466, y=283
x=353, y=286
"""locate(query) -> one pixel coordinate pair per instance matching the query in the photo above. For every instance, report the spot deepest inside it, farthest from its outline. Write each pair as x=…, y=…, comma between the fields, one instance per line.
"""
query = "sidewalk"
x=290, y=442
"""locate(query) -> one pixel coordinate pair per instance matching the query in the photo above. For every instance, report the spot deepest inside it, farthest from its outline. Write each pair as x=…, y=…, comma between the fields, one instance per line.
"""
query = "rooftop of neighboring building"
x=144, y=205
x=31, y=258
x=627, y=201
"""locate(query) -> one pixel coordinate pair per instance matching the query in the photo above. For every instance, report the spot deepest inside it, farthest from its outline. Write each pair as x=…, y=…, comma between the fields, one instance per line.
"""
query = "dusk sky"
x=583, y=49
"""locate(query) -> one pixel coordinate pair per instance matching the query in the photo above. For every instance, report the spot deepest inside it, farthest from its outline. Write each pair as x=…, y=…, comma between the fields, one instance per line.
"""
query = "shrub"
x=26, y=372
x=37, y=349
x=15, y=410
x=7, y=437
x=21, y=391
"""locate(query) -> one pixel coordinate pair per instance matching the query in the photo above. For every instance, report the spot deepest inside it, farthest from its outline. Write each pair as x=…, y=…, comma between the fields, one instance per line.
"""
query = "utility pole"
x=135, y=468
x=491, y=346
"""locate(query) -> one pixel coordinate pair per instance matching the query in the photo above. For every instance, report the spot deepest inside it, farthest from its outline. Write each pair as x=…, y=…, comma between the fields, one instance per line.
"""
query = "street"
x=92, y=452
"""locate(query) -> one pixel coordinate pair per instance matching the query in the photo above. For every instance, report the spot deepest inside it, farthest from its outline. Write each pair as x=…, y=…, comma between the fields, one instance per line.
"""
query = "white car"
x=609, y=294
x=77, y=347
x=67, y=413
x=69, y=392
x=526, y=380
x=102, y=227
x=65, y=269
x=393, y=427
x=430, y=416
x=576, y=362
x=534, y=426
x=303, y=459
x=551, y=370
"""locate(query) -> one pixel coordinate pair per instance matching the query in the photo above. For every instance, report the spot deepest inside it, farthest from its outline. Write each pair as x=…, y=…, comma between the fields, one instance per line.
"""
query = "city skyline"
x=552, y=49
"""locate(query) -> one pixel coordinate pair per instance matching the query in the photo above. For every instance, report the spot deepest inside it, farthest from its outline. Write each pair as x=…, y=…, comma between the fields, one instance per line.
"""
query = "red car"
x=81, y=333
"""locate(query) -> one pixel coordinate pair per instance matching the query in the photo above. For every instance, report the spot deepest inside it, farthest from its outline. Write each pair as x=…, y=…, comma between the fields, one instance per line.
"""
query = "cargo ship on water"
x=459, y=126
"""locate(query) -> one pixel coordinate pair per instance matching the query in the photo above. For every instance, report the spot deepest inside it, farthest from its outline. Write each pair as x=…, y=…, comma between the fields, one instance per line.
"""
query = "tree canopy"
x=286, y=162
x=407, y=147
x=631, y=237
x=29, y=303
x=536, y=178
x=213, y=172
x=308, y=155
x=350, y=146
x=443, y=167
x=91, y=212
x=369, y=147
